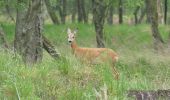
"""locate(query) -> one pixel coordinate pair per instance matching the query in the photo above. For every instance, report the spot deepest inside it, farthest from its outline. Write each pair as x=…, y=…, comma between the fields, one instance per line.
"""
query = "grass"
x=68, y=79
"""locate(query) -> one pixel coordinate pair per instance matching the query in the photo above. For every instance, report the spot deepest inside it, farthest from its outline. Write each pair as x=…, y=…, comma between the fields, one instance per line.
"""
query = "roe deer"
x=92, y=55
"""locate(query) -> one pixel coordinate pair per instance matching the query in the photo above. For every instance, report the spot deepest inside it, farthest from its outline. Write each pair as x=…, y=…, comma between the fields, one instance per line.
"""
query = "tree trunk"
x=3, y=39
x=136, y=14
x=28, y=39
x=110, y=15
x=8, y=10
x=74, y=10
x=81, y=11
x=165, y=10
x=99, y=14
x=143, y=13
x=62, y=10
x=51, y=12
x=152, y=12
x=160, y=11
x=120, y=12
x=84, y=11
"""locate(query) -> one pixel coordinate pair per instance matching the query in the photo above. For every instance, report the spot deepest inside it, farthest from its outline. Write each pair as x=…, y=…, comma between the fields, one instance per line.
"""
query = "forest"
x=84, y=50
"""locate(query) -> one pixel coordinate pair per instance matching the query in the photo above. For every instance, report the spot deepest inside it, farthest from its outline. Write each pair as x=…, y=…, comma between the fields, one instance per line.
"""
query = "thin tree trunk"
x=84, y=11
x=82, y=17
x=74, y=10
x=3, y=39
x=143, y=13
x=136, y=14
x=7, y=7
x=148, y=20
x=120, y=12
x=99, y=14
x=165, y=10
x=110, y=15
x=152, y=12
x=51, y=12
x=62, y=10
x=28, y=39
x=160, y=11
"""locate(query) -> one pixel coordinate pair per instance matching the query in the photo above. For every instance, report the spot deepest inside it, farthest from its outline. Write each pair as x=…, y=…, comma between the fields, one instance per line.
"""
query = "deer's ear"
x=68, y=31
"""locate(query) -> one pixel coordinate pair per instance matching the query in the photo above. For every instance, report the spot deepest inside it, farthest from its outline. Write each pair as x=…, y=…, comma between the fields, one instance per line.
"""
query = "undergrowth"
x=69, y=79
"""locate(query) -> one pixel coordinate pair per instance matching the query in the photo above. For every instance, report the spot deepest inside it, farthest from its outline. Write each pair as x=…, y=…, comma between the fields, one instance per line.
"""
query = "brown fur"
x=96, y=55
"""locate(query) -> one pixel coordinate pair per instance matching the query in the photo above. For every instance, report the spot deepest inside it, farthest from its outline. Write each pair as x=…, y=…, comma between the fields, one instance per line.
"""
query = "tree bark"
x=28, y=38
x=82, y=17
x=74, y=10
x=47, y=45
x=120, y=12
x=143, y=13
x=51, y=12
x=160, y=11
x=153, y=14
x=165, y=10
x=99, y=14
x=3, y=39
x=7, y=7
x=62, y=10
x=136, y=14
x=110, y=15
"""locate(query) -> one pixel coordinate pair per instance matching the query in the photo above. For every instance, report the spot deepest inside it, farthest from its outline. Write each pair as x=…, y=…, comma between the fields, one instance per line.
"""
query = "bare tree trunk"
x=152, y=12
x=99, y=14
x=136, y=14
x=3, y=39
x=28, y=38
x=160, y=11
x=110, y=15
x=81, y=11
x=165, y=10
x=143, y=13
x=74, y=10
x=62, y=10
x=120, y=12
x=7, y=7
x=51, y=12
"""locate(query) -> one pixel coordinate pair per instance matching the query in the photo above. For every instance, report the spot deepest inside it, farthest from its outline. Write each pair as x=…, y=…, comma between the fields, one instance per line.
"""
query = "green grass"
x=68, y=79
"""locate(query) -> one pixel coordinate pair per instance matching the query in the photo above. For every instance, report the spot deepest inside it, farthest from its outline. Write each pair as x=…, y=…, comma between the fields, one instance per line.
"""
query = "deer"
x=93, y=55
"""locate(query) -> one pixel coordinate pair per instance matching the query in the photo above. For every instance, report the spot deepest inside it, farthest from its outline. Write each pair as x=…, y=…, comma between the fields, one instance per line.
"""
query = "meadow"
x=140, y=67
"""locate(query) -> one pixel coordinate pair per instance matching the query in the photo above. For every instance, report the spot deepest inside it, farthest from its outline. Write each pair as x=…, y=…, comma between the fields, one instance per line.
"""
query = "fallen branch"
x=47, y=45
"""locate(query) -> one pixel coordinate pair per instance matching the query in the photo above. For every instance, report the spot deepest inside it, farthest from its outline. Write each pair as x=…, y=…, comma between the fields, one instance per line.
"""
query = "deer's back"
x=101, y=54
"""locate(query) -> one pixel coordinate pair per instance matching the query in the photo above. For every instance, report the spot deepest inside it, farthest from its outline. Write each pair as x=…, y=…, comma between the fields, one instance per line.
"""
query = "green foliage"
x=134, y=3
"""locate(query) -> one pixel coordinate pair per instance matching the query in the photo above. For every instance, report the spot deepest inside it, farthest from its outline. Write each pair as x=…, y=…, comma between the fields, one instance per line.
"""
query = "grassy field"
x=68, y=79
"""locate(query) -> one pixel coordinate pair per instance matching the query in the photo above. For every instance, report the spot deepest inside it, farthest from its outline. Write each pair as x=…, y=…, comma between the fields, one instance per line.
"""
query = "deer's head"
x=71, y=35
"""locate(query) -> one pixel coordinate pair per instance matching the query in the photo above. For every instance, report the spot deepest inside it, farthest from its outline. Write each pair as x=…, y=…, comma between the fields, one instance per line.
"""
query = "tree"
x=153, y=16
x=165, y=10
x=28, y=38
x=100, y=8
x=3, y=39
x=81, y=11
x=110, y=15
x=62, y=10
x=73, y=11
x=135, y=14
x=120, y=12
x=51, y=12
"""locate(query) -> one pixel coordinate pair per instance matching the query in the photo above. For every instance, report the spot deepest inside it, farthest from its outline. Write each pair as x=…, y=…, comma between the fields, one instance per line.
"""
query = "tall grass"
x=69, y=79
